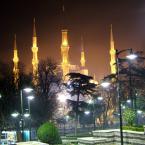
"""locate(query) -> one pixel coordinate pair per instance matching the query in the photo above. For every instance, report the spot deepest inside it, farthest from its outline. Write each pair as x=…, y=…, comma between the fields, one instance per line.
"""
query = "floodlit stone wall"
x=112, y=137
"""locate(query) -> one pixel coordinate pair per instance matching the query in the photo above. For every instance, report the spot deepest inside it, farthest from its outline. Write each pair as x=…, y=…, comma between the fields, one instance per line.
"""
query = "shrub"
x=48, y=133
x=129, y=116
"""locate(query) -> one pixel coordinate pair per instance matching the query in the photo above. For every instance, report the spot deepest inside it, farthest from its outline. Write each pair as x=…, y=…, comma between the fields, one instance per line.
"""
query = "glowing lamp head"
x=128, y=101
x=139, y=111
x=26, y=115
x=28, y=90
x=87, y=112
x=131, y=56
x=30, y=97
x=100, y=98
x=105, y=84
x=15, y=114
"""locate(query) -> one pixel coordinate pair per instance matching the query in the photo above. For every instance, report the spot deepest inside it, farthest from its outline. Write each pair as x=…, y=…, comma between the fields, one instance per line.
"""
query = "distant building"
x=65, y=64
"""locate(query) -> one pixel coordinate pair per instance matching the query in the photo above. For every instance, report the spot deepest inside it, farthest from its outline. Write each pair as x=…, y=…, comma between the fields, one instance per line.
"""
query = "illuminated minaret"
x=64, y=53
x=112, y=53
x=82, y=61
x=35, y=55
x=15, y=61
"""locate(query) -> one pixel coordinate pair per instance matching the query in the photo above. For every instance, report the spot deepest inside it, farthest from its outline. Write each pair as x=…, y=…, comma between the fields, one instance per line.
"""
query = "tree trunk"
x=76, y=114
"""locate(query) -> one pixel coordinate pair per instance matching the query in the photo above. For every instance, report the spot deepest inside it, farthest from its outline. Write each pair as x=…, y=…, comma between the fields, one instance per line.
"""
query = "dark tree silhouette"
x=79, y=84
x=48, y=86
x=10, y=100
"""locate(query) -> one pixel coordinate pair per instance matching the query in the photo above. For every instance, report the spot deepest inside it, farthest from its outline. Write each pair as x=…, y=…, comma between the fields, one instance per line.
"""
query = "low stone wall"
x=93, y=141
x=129, y=137
x=112, y=137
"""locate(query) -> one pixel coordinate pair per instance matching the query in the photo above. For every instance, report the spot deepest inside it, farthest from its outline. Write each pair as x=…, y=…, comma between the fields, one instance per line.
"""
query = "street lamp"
x=105, y=84
x=62, y=99
x=100, y=98
x=15, y=114
x=139, y=111
x=27, y=90
x=131, y=56
x=87, y=112
x=26, y=115
x=128, y=101
x=92, y=103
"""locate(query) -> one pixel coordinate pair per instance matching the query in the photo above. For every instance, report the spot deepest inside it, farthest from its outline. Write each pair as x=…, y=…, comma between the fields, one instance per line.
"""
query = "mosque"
x=65, y=65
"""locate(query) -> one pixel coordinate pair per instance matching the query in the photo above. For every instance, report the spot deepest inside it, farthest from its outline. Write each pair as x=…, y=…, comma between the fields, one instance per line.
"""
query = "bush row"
x=134, y=128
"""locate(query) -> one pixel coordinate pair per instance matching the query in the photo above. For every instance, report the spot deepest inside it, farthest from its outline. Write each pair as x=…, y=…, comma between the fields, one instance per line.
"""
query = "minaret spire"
x=15, y=42
x=34, y=28
x=35, y=60
x=83, y=61
x=15, y=61
x=112, y=53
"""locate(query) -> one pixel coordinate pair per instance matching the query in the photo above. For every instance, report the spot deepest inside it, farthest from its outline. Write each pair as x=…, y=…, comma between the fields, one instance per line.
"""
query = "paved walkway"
x=31, y=143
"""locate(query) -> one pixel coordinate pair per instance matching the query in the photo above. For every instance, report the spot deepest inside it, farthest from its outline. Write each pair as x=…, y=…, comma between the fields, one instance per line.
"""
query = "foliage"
x=10, y=100
x=129, y=116
x=79, y=85
x=134, y=128
x=48, y=85
x=48, y=133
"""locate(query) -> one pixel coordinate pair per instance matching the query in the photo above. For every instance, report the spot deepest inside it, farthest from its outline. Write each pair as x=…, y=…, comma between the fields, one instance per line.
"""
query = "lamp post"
x=30, y=98
x=131, y=56
x=106, y=85
x=62, y=99
x=92, y=102
x=16, y=116
x=27, y=90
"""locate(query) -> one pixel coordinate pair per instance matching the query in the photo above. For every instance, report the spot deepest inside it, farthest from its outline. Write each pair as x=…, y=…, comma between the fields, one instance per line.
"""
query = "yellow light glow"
x=83, y=61
x=15, y=61
x=65, y=65
x=112, y=53
x=35, y=60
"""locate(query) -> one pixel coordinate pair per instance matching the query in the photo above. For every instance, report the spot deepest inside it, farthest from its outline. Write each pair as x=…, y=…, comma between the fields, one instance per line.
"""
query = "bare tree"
x=49, y=79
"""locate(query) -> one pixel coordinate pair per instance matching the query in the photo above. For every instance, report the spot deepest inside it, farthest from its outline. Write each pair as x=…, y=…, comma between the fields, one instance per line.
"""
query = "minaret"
x=35, y=55
x=64, y=53
x=82, y=61
x=15, y=61
x=112, y=53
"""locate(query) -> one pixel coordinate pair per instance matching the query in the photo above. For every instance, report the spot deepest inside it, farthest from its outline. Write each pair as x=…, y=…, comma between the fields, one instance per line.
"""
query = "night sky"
x=90, y=18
